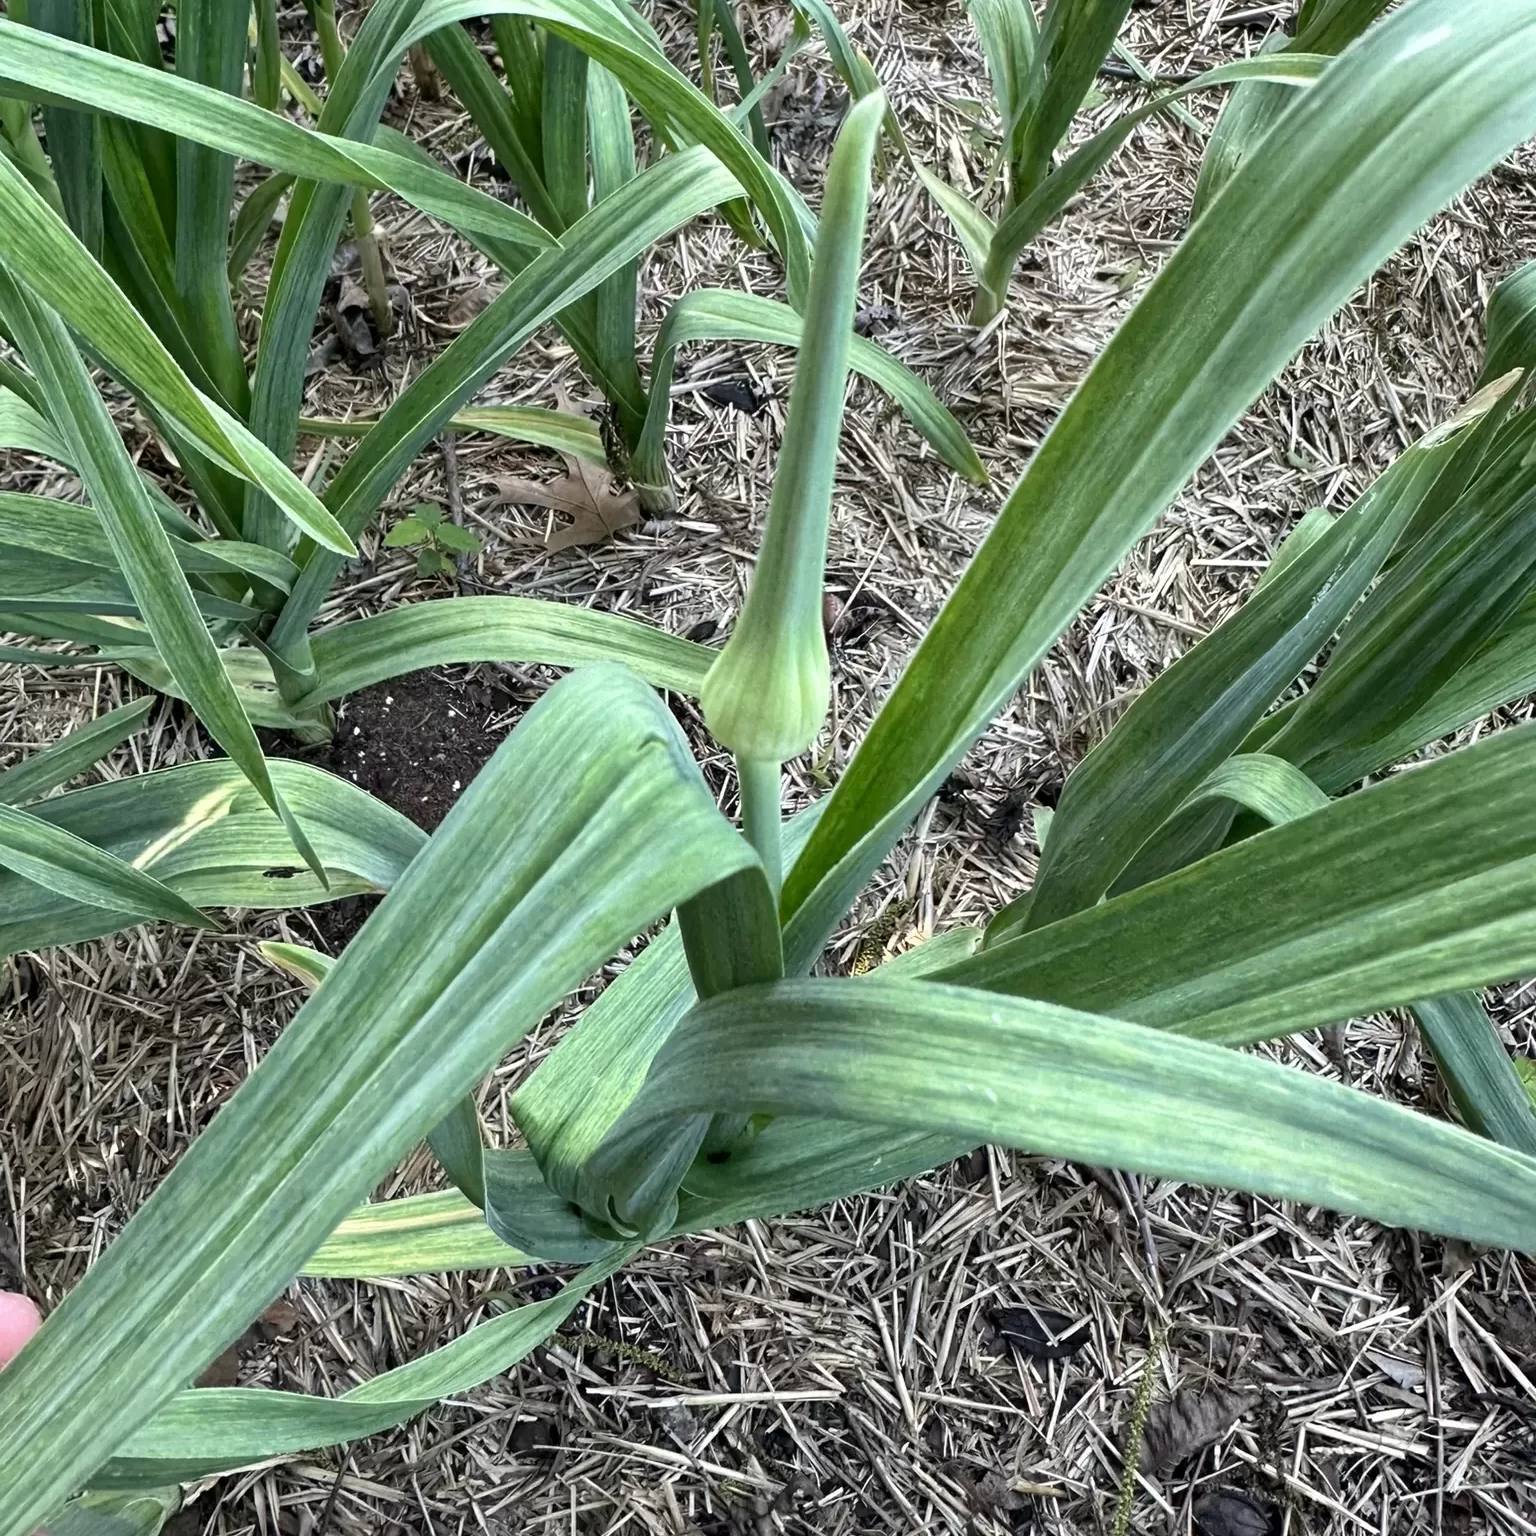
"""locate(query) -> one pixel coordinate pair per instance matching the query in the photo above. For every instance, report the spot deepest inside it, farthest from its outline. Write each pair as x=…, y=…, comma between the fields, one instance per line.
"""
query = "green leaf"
x=199, y=115
x=430, y=563
x=1074, y=41
x=712, y=314
x=564, y=431
x=458, y=540
x=1511, y=326
x=363, y=651
x=591, y=821
x=1453, y=589
x=74, y=138
x=203, y=1431
x=427, y=513
x=1339, y=914
x=1195, y=714
x=1067, y=1084
x=972, y=227
x=1396, y=127
x=255, y=217
x=1032, y=212
x=139, y=542
x=83, y=874
x=1490, y=1091
x=204, y=833
x=416, y=1235
x=1010, y=39
x=304, y=964
x=109, y=1514
x=666, y=195
x=210, y=49
x=41, y=252
x=72, y=754
x=409, y=530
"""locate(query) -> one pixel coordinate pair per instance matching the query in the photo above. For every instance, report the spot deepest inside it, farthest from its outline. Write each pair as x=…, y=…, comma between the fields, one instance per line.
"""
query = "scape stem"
x=761, y=805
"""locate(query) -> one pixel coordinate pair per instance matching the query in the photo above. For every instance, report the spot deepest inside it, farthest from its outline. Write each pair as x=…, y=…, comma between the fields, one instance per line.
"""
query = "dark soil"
x=416, y=742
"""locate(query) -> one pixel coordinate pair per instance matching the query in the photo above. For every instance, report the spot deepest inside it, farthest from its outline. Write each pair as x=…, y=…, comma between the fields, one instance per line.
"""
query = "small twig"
x=453, y=494
x=330, y=1502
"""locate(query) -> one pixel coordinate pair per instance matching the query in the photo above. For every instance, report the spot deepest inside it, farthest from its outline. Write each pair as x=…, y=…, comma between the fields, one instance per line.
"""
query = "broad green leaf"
x=74, y=138
x=972, y=227
x=919, y=1054
x=72, y=532
x=1483, y=1082
x=663, y=197
x=577, y=1092
x=712, y=314
x=1075, y=39
x=255, y=217
x=1010, y=39
x=108, y=1514
x=203, y=1431
x=1198, y=711
x=304, y=964
x=1511, y=325
x=41, y=252
x=355, y=654
x=1254, y=109
x=418, y=1234
x=210, y=50
x=84, y=875
x=1421, y=105
x=617, y=298
x=564, y=431
x=1503, y=671
x=203, y=831
x=591, y=821
x=564, y=129
x=1418, y=886
x=201, y=116
x=514, y=136
x=722, y=15
x=139, y=542
x=72, y=754
x=1449, y=593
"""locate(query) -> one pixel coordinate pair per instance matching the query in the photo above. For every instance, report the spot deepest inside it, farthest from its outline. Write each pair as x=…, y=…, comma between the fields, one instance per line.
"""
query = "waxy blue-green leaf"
x=1031, y=212
x=1421, y=105
x=1198, y=711
x=142, y=548
x=1421, y=885
x=71, y=754
x=41, y=252
x=1255, y=108
x=712, y=314
x=1475, y=1063
x=203, y=1431
x=591, y=821
x=1052, y=1080
x=202, y=831
x=85, y=875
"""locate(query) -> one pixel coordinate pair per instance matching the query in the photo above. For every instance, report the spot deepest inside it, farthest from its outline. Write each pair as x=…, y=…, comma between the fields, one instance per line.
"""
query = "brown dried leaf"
x=587, y=494
x=1190, y=1421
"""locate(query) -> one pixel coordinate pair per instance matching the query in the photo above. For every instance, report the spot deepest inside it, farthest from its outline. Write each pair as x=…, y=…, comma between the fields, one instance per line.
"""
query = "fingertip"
x=19, y=1320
